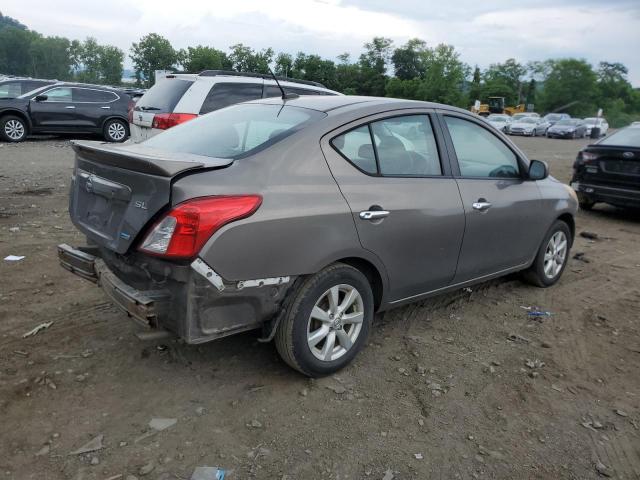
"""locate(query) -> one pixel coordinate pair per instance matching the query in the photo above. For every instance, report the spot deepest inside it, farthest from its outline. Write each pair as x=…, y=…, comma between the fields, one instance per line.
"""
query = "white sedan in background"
x=599, y=122
x=499, y=121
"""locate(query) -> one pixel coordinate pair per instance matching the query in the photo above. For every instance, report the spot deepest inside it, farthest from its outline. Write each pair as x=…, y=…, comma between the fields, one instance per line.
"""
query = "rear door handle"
x=374, y=214
x=106, y=108
x=70, y=107
x=481, y=205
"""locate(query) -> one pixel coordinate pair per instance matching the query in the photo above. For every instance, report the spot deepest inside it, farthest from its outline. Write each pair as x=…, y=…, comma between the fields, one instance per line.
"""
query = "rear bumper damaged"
x=192, y=301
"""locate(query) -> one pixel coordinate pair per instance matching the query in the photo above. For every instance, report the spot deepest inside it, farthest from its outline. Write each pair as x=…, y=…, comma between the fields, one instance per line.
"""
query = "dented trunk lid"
x=117, y=189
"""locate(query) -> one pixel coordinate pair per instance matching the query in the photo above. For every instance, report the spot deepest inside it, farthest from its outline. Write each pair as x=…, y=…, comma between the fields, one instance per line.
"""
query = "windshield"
x=627, y=137
x=590, y=121
x=236, y=131
x=567, y=121
x=33, y=92
x=497, y=118
x=527, y=120
x=553, y=117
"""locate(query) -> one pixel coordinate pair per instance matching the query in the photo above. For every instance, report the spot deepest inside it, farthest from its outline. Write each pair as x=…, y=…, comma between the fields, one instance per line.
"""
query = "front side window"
x=60, y=94
x=479, y=152
x=224, y=94
x=236, y=131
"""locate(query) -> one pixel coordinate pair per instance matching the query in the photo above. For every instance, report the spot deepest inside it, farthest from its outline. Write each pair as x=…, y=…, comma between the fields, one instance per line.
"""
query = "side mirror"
x=41, y=98
x=538, y=170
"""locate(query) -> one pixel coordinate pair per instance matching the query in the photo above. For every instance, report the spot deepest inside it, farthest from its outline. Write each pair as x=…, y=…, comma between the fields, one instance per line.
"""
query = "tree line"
x=413, y=70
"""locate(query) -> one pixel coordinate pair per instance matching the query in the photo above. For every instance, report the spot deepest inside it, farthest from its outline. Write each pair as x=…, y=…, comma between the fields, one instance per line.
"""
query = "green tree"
x=444, y=76
x=153, y=52
x=245, y=59
x=475, y=87
x=283, y=65
x=50, y=57
x=570, y=86
x=347, y=75
x=505, y=80
x=15, y=52
x=199, y=58
x=373, y=66
x=408, y=60
x=111, y=60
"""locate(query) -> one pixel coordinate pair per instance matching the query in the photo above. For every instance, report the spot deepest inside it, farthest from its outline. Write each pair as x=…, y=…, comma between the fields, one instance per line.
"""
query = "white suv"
x=178, y=98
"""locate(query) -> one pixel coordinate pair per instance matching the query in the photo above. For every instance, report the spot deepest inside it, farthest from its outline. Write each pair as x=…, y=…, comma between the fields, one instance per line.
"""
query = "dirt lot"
x=441, y=391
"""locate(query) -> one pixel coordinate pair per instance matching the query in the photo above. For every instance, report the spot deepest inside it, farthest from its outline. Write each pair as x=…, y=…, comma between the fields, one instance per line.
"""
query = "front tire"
x=552, y=256
x=13, y=129
x=115, y=130
x=327, y=321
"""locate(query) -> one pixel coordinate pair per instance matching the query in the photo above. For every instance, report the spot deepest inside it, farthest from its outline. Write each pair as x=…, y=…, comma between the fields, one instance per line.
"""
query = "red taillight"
x=130, y=115
x=183, y=231
x=163, y=121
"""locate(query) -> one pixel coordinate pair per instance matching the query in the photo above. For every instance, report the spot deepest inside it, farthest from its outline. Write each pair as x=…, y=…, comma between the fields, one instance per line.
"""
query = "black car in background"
x=66, y=108
x=568, y=128
x=608, y=171
x=14, y=87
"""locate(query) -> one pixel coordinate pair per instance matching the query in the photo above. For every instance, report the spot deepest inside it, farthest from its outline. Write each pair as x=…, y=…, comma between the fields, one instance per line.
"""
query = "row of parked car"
x=552, y=125
x=50, y=107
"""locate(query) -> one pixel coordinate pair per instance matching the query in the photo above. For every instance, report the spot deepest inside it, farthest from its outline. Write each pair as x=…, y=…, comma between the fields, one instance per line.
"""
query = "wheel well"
x=17, y=113
x=371, y=272
x=569, y=220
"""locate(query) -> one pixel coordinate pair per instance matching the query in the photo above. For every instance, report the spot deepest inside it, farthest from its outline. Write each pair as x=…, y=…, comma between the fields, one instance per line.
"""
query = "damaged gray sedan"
x=303, y=217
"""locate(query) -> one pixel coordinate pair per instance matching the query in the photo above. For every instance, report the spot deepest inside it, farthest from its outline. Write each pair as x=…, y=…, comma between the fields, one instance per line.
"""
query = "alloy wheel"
x=555, y=254
x=14, y=129
x=116, y=131
x=335, y=322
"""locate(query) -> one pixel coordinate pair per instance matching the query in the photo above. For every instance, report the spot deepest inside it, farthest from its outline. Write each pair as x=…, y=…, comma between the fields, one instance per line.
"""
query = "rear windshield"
x=567, y=121
x=627, y=137
x=236, y=131
x=164, y=95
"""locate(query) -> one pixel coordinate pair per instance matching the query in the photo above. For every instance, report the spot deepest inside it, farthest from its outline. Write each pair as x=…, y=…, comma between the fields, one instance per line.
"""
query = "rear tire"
x=115, y=130
x=13, y=129
x=327, y=321
x=552, y=256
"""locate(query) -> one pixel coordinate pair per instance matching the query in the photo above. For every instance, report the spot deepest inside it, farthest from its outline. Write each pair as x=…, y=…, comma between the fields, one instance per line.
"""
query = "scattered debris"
x=92, y=446
x=388, y=475
x=622, y=413
x=22, y=353
x=534, y=363
x=539, y=313
x=95, y=461
x=418, y=456
x=556, y=387
x=35, y=330
x=514, y=337
x=208, y=473
x=201, y=411
x=581, y=257
x=14, y=229
x=254, y=424
x=14, y=258
x=339, y=389
x=545, y=344
x=467, y=289
x=43, y=451
x=147, y=468
x=160, y=424
x=603, y=470
x=45, y=381
x=589, y=235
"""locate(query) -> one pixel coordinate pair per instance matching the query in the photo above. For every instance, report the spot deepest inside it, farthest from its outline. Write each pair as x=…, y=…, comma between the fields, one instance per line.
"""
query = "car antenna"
x=285, y=95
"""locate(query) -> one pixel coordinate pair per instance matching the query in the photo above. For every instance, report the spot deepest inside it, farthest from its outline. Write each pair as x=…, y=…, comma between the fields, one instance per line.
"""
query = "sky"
x=483, y=32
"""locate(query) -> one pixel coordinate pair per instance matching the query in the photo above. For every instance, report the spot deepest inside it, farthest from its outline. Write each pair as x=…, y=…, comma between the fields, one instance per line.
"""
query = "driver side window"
x=60, y=94
x=480, y=153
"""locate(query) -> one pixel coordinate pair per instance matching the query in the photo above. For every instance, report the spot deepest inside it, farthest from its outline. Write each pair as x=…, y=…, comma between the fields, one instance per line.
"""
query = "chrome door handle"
x=106, y=108
x=70, y=107
x=374, y=214
x=481, y=206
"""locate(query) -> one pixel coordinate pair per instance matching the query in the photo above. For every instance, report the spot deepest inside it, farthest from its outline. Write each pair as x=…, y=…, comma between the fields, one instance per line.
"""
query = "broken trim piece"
x=262, y=282
x=207, y=272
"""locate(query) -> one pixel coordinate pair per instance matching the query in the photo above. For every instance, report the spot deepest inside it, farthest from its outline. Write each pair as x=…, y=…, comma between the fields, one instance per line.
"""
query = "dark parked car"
x=608, y=171
x=66, y=108
x=568, y=128
x=14, y=87
x=303, y=217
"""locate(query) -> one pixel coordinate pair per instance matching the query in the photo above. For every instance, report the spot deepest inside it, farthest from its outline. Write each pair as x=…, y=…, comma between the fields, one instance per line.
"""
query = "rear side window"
x=93, y=96
x=356, y=145
x=479, y=152
x=164, y=95
x=404, y=146
x=224, y=94
x=236, y=131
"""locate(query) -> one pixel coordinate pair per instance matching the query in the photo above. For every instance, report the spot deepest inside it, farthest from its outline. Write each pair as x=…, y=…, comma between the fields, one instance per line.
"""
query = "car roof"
x=87, y=85
x=327, y=103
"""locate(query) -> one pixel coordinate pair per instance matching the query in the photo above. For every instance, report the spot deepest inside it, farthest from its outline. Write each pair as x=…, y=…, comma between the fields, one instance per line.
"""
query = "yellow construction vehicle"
x=496, y=105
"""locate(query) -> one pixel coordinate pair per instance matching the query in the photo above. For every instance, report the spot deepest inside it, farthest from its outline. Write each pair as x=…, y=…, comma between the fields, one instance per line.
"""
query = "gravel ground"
x=462, y=386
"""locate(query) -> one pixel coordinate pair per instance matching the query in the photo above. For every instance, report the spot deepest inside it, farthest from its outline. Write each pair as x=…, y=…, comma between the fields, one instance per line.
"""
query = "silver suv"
x=177, y=98
x=302, y=217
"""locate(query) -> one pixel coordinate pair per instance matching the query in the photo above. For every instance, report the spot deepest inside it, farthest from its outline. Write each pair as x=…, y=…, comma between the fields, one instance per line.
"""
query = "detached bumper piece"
x=142, y=306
